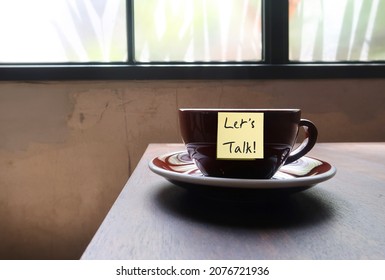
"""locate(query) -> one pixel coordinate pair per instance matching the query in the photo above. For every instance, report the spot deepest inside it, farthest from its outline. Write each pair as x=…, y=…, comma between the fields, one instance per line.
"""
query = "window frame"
x=274, y=65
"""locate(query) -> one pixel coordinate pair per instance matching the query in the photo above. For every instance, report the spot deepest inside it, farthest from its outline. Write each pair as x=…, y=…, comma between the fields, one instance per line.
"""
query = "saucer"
x=179, y=169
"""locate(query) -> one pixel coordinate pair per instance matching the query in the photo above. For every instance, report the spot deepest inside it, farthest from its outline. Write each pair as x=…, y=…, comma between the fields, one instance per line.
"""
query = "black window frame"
x=274, y=65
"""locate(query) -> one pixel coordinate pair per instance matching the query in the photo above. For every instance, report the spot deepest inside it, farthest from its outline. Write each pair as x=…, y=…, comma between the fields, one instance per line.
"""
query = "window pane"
x=191, y=30
x=62, y=31
x=343, y=30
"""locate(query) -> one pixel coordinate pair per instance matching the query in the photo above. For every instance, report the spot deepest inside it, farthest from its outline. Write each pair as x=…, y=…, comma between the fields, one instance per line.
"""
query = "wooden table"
x=342, y=218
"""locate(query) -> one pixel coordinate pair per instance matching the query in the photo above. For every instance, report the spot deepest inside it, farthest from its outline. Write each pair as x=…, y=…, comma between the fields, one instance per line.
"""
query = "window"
x=344, y=30
x=197, y=31
x=62, y=31
x=205, y=39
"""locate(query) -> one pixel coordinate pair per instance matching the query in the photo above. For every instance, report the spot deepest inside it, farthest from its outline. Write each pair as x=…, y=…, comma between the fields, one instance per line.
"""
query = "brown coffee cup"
x=244, y=143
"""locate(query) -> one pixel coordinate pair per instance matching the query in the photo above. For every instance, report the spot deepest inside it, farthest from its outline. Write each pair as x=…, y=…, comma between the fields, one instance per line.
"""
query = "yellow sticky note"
x=240, y=135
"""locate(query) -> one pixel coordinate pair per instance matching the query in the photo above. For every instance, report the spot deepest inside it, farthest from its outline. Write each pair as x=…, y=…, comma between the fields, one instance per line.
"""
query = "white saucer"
x=179, y=169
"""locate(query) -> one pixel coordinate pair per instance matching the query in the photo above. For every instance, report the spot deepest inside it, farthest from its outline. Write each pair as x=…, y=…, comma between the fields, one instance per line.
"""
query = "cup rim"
x=239, y=109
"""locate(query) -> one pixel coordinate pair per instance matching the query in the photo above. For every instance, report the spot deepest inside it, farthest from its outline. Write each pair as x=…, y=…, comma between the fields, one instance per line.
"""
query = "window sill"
x=189, y=71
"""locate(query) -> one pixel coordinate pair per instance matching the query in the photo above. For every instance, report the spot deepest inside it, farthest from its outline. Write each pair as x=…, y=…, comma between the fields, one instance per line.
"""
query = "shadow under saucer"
x=265, y=210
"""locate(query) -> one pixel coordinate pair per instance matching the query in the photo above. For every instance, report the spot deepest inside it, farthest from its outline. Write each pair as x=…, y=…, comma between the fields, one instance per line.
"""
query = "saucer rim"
x=306, y=181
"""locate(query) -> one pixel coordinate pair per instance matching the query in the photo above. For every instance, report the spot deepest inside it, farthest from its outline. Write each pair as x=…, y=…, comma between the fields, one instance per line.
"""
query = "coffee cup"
x=244, y=143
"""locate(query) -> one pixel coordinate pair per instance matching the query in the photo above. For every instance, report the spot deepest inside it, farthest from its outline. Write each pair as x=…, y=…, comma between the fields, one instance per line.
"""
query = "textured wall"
x=67, y=148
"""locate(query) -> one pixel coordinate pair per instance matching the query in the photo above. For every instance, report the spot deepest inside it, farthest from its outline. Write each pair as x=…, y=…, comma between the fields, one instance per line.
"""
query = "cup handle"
x=308, y=143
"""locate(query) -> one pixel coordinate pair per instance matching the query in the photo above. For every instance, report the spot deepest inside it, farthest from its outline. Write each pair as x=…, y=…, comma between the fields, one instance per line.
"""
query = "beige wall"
x=67, y=148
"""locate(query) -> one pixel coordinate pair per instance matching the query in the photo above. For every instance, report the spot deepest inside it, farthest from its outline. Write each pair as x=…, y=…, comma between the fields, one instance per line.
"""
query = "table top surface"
x=341, y=218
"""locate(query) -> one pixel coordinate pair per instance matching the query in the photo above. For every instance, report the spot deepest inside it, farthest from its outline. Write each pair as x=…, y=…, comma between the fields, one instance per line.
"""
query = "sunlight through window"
x=198, y=31
x=62, y=31
x=344, y=30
